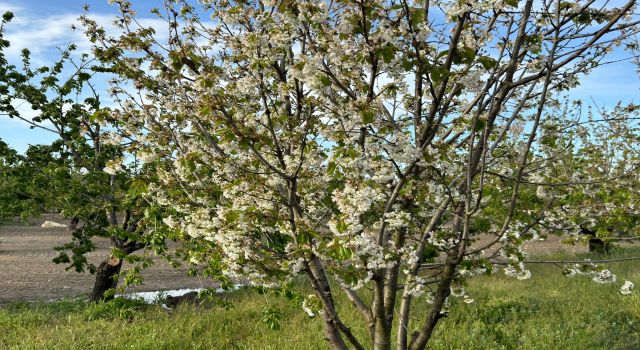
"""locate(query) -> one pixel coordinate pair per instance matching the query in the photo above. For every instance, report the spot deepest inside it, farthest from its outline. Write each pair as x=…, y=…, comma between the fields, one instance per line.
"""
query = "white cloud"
x=4, y=7
x=44, y=36
x=41, y=36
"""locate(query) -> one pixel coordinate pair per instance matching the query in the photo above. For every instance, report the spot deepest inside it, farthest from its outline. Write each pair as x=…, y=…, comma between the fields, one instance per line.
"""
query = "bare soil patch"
x=27, y=272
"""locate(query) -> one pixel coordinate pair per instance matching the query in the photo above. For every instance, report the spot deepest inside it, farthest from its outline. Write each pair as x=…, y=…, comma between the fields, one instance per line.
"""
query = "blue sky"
x=43, y=25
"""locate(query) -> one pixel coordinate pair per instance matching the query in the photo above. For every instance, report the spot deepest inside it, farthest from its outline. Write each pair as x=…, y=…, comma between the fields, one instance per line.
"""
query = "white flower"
x=113, y=166
x=397, y=219
x=604, y=276
x=170, y=221
x=417, y=288
x=467, y=299
x=146, y=156
x=541, y=192
x=519, y=272
x=109, y=170
x=627, y=288
x=309, y=305
x=569, y=272
x=587, y=268
x=307, y=309
x=457, y=291
x=111, y=139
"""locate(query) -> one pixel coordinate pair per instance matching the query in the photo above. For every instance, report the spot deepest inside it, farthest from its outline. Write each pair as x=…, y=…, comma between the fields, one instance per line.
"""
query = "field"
x=27, y=272
x=548, y=312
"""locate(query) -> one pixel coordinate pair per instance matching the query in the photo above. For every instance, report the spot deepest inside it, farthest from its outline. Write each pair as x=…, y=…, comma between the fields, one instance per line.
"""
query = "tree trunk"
x=318, y=280
x=73, y=225
x=106, y=278
x=382, y=336
x=421, y=339
x=381, y=333
x=407, y=298
x=598, y=245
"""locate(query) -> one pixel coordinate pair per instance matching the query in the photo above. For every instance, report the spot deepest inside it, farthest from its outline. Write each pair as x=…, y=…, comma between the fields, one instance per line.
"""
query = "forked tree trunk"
x=106, y=278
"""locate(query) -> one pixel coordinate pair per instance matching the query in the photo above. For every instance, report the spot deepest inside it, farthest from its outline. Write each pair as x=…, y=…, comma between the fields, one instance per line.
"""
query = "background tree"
x=353, y=141
x=594, y=185
x=75, y=175
x=11, y=194
x=23, y=178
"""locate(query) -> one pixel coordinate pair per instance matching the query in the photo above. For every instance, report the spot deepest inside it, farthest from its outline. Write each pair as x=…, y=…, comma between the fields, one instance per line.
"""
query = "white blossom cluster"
x=518, y=271
x=604, y=276
x=114, y=166
x=587, y=268
x=457, y=290
x=599, y=275
x=418, y=288
x=310, y=305
x=627, y=288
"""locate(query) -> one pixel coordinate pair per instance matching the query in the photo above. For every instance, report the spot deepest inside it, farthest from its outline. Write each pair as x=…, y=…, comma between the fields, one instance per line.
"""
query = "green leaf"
x=325, y=80
x=137, y=187
x=331, y=167
x=368, y=116
x=344, y=253
x=487, y=62
x=341, y=226
x=387, y=53
x=417, y=15
x=231, y=216
x=479, y=124
x=439, y=74
x=407, y=64
x=465, y=55
x=271, y=317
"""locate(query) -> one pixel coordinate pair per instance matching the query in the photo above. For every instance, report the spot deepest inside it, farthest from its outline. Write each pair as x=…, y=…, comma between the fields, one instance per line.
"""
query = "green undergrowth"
x=549, y=311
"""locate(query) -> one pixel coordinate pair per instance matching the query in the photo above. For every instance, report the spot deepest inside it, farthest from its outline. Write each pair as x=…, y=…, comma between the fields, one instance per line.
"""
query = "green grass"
x=547, y=312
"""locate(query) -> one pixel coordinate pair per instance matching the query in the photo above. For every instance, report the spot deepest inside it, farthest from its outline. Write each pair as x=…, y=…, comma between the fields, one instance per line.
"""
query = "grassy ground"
x=547, y=312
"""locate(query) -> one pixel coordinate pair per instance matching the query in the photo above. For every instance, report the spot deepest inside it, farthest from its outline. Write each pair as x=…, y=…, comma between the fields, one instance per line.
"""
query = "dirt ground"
x=27, y=272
